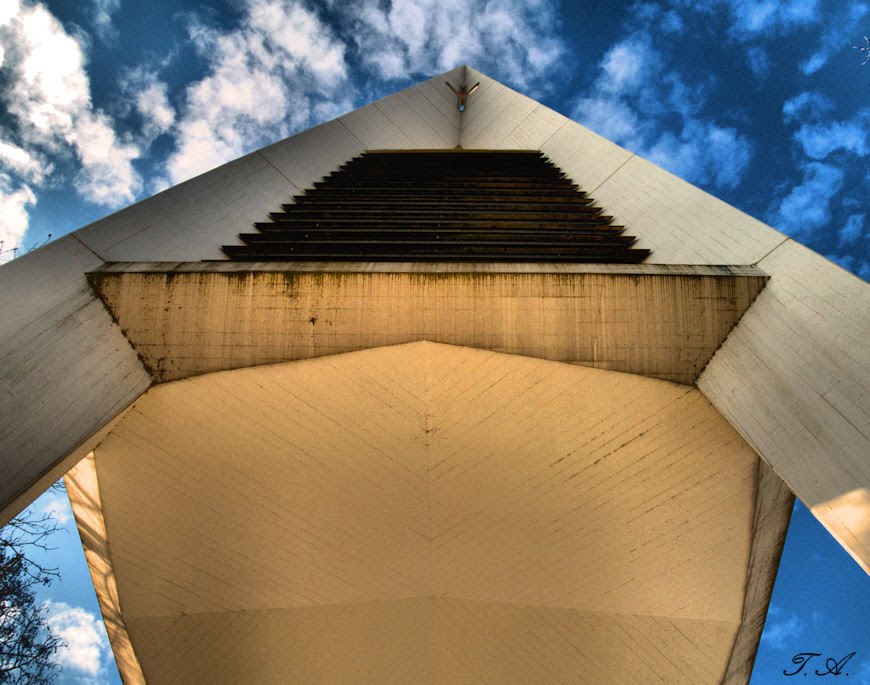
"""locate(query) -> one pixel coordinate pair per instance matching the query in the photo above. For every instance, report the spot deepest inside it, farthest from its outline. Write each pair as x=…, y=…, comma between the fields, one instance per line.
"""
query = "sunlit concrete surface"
x=430, y=513
x=779, y=346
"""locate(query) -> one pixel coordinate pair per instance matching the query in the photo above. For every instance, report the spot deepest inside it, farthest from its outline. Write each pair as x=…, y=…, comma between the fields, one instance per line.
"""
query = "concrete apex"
x=70, y=369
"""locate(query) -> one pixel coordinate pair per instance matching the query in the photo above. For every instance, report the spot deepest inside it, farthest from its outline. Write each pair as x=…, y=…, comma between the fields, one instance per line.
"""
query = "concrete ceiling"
x=431, y=513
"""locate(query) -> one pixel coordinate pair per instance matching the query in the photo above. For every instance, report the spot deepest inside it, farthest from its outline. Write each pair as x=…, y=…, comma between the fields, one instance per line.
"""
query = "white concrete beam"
x=793, y=378
x=65, y=369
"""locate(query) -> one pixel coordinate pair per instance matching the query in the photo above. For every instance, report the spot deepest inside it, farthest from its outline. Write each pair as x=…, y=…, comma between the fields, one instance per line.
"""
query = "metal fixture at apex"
x=463, y=93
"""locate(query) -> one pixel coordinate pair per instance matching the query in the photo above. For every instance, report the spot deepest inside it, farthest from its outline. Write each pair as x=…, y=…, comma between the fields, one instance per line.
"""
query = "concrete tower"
x=431, y=466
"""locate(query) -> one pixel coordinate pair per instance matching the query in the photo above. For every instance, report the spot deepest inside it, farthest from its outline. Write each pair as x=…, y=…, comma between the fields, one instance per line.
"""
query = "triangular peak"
x=792, y=376
x=680, y=223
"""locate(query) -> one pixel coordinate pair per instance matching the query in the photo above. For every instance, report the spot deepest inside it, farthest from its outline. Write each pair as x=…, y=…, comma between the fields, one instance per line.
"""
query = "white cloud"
x=753, y=17
x=820, y=140
x=705, y=153
x=781, y=632
x=23, y=163
x=102, y=11
x=653, y=14
x=628, y=65
x=759, y=62
x=806, y=105
x=852, y=230
x=85, y=637
x=271, y=76
x=807, y=205
x=814, y=62
x=8, y=9
x=14, y=218
x=50, y=109
x=834, y=38
x=514, y=39
x=58, y=508
x=106, y=176
x=610, y=117
x=633, y=102
x=149, y=96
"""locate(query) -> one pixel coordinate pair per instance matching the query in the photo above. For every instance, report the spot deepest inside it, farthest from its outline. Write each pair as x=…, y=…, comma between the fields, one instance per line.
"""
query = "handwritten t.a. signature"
x=833, y=666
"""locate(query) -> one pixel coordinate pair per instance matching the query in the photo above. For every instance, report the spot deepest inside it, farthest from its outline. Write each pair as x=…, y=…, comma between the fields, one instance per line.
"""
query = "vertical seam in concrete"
x=772, y=250
x=462, y=113
x=87, y=247
x=613, y=173
x=365, y=147
x=405, y=133
x=280, y=173
x=550, y=137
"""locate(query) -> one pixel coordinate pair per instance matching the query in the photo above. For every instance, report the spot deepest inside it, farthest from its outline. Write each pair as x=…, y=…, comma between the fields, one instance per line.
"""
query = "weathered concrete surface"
x=83, y=488
x=185, y=320
x=793, y=378
x=65, y=369
x=427, y=513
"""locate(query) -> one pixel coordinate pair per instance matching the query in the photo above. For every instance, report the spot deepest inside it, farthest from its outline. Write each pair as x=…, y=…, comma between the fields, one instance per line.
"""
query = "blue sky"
x=763, y=103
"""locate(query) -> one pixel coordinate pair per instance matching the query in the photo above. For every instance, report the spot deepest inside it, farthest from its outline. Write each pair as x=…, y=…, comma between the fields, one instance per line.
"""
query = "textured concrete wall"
x=188, y=319
x=429, y=513
x=793, y=378
x=65, y=369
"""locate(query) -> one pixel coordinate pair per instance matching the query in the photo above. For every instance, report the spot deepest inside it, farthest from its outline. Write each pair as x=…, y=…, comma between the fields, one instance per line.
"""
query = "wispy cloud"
x=781, y=629
x=280, y=70
x=704, y=153
x=808, y=205
x=49, y=113
x=149, y=97
x=102, y=11
x=14, y=218
x=667, y=20
x=752, y=17
x=852, y=230
x=835, y=37
x=758, y=60
x=820, y=140
x=516, y=40
x=86, y=645
x=862, y=673
x=853, y=241
x=633, y=102
x=58, y=508
x=612, y=117
x=808, y=105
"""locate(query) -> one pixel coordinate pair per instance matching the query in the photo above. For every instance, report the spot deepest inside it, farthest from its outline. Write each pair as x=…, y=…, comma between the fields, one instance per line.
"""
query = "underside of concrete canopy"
x=429, y=513
x=775, y=337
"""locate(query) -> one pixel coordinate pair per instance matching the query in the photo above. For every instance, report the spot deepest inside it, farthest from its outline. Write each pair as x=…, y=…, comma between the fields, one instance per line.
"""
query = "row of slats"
x=446, y=205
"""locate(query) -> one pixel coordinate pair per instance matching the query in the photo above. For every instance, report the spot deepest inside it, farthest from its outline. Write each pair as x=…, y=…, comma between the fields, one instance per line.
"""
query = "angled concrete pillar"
x=136, y=341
